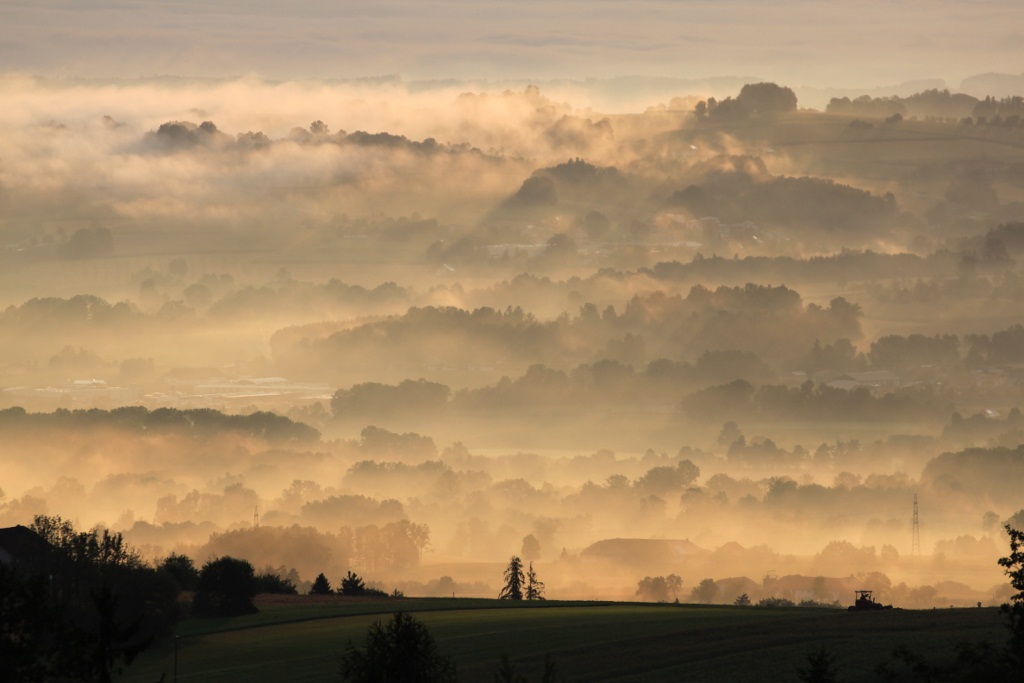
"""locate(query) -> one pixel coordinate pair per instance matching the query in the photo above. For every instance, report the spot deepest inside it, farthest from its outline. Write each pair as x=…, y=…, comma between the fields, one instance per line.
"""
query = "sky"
x=843, y=43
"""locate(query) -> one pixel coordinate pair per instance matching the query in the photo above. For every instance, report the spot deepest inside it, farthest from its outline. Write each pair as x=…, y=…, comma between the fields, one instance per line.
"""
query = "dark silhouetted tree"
x=226, y=587
x=81, y=607
x=534, y=587
x=321, y=586
x=403, y=650
x=821, y=667
x=271, y=581
x=514, y=580
x=742, y=600
x=352, y=584
x=182, y=570
x=1013, y=564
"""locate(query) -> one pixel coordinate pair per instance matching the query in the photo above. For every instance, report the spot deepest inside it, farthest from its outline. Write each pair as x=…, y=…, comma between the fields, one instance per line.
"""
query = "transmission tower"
x=915, y=547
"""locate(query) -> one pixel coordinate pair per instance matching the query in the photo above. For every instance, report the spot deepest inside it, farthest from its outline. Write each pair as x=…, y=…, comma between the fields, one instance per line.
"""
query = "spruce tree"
x=514, y=580
x=534, y=588
x=321, y=586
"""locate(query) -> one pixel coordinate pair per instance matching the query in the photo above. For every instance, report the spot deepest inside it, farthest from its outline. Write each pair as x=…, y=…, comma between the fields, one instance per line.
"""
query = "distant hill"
x=996, y=85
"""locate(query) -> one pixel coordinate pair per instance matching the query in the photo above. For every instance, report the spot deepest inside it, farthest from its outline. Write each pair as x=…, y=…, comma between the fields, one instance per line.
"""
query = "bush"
x=226, y=587
x=269, y=582
x=403, y=650
x=775, y=602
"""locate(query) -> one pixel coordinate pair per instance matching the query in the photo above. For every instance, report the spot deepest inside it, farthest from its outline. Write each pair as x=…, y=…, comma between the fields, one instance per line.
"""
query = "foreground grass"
x=589, y=641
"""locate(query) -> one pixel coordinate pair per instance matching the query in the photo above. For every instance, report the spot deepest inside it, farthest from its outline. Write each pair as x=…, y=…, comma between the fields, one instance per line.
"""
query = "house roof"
x=641, y=549
x=20, y=542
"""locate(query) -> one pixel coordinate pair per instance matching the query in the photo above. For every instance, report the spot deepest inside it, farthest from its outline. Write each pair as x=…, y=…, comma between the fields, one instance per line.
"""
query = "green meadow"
x=303, y=640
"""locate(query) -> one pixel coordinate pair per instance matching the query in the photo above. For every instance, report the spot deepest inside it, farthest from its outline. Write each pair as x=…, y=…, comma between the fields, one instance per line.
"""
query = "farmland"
x=302, y=639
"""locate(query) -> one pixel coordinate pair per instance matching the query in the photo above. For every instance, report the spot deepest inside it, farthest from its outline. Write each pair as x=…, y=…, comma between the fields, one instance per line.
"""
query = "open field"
x=302, y=640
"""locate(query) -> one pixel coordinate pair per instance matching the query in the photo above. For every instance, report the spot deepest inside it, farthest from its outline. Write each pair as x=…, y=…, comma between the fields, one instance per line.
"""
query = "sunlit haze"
x=715, y=290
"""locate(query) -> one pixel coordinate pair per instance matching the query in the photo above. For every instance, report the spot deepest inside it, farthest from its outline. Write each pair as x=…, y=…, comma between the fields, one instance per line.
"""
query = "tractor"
x=864, y=602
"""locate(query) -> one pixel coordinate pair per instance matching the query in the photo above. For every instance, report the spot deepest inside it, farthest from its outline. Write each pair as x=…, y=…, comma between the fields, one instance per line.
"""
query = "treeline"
x=845, y=266
x=291, y=297
x=176, y=136
x=212, y=299
x=285, y=297
x=741, y=400
x=195, y=422
x=754, y=100
x=728, y=383
x=942, y=271
x=930, y=103
x=78, y=605
x=746, y=192
x=473, y=506
x=663, y=493
x=773, y=321
x=304, y=549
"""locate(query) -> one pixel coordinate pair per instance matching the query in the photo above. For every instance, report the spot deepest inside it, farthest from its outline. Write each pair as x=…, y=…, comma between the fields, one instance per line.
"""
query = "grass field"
x=302, y=640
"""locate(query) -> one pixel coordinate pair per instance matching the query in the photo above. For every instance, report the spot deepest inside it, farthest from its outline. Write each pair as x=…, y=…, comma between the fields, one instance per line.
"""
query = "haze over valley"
x=751, y=327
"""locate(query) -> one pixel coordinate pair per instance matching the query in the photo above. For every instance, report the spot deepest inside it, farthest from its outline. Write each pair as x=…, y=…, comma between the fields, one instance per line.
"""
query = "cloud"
x=819, y=43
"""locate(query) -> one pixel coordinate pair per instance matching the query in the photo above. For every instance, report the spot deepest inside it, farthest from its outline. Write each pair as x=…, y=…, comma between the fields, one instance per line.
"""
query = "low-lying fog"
x=332, y=327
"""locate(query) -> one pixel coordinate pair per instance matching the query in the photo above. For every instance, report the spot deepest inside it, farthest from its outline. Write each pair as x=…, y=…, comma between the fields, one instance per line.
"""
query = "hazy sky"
x=799, y=42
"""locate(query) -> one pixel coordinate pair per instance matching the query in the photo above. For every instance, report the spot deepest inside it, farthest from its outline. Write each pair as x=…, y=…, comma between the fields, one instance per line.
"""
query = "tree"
x=534, y=587
x=767, y=98
x=658, y=588
x=321, y=586
x=403, y=650
x=729, y=110
x=706, y=591
x=663, y=480
x=182, y=570
x=674, y=584
x=742, y=600
x=531, y=547
x=1013, y=564
x=226, y=587
x=351, y=584
x=821, y=667
x=730, y=432
x=652, y=588
x=82, y=606
x=514, y=580
x=271, y=581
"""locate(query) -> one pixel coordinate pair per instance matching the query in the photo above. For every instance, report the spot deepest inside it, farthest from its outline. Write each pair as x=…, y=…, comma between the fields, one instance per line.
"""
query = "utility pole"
x=915, y=546
x=256, y=517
